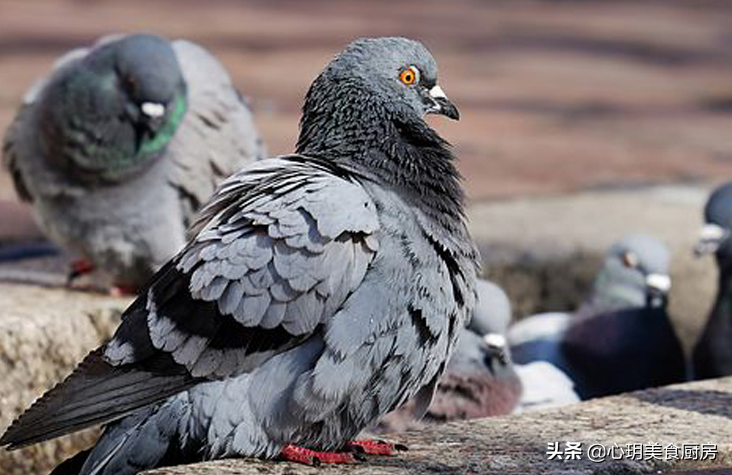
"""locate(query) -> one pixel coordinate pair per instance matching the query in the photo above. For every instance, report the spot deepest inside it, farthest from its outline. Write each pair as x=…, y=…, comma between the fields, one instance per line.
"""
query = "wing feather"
x=225, y=304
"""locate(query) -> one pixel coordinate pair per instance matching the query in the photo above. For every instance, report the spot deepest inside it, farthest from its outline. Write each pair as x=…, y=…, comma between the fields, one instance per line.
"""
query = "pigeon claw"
x=376, y=447
x=293, y=453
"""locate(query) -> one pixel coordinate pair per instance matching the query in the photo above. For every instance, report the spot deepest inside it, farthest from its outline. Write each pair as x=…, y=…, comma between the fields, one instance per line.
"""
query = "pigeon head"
x=714, y=237
x=149, y=77
x=394, y=71
x=367, y=108
x=635, y=273
x=492, y=313
x=114, y=110
x=373, y=82
x=488, y=354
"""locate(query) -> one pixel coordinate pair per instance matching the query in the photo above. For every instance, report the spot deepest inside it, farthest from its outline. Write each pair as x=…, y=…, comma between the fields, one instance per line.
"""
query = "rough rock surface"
x=694, y=413
x=43, y=334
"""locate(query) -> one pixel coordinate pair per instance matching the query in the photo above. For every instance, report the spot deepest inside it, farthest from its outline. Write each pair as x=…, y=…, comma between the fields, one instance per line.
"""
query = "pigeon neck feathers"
x=384, y=141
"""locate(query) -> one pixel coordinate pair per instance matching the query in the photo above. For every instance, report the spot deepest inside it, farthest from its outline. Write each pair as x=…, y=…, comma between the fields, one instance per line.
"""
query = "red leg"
x=78, y=268
x=293, y=453
x=376, y=447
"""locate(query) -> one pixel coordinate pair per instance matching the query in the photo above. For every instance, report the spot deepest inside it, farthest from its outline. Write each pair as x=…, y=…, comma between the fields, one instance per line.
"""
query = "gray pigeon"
x=318, y=291
x=119, y=147
x=712, y=355
x=621, y=339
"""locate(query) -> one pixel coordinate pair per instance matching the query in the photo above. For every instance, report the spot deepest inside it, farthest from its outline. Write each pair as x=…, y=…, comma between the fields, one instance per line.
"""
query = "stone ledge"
x=44, y=333
x=693, y=413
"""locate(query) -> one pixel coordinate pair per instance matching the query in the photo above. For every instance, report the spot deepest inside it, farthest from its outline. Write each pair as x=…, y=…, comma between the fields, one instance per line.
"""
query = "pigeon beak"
x=497, y=346
x=152, y=115
x=658, y=287
x=660, y=283
x=441, y=104
x=711, y=238
x=152, y=110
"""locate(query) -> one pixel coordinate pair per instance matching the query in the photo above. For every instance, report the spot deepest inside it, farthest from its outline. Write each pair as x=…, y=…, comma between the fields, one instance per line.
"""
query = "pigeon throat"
x=157, y=142
x=389, y=144
x=112, y=157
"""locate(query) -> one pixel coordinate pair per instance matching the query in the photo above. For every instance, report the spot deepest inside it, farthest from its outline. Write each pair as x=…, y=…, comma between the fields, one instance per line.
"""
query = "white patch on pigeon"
x=152, y=109
x=660, y=282
x=495, y=340
x=712, y=232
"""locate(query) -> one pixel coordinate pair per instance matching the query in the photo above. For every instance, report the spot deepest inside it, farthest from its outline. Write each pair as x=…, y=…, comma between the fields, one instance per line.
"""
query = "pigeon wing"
x=279, y=249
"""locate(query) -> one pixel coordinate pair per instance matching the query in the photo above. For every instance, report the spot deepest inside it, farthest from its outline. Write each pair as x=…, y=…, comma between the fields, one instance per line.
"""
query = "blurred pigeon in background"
x=542, y=384
x=122, y=143
x=621, y=338
x=712, y=355
x=318, y=291
x=492, y=309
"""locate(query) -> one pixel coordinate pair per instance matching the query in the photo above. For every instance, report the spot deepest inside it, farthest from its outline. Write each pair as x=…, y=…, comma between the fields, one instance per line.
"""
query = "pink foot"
x=376, y=447
x=78, y=268
x=293, y=453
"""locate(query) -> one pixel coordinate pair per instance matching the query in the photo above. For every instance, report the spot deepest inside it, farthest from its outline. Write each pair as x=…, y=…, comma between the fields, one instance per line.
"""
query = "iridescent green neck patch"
x=166, y=133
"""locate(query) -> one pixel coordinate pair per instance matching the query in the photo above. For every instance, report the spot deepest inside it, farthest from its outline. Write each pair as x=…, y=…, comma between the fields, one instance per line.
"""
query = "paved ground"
x=696, y=413
x=555, y=95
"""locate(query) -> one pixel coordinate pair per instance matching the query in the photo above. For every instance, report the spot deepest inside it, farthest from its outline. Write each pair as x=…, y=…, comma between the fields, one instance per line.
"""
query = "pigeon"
x=712, y=354
x=318, y=291
x=121, y=144
x=621, y=338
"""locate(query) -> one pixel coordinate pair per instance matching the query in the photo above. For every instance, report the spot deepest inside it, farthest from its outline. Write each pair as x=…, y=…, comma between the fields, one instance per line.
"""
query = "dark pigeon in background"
x=621, y=339
x=122, y=143
x=318, y=291
x=712, y=355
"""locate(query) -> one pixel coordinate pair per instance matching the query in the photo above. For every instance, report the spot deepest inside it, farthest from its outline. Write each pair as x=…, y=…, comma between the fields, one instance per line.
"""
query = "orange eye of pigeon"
x=630, y=260
x=409, y=76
